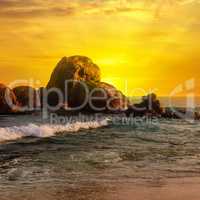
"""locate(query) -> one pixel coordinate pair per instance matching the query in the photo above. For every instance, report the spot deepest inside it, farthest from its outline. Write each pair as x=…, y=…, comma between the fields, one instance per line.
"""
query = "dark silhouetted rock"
x=181, y=113
x=150, y=105
x=73, y=69
x=7, y=99
x=116, y=100
x=77, y=68
x=27, y=97
x=97, y=97
x=85, y=91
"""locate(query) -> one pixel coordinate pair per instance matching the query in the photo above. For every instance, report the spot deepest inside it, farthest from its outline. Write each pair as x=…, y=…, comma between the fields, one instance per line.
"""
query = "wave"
x=46, y=130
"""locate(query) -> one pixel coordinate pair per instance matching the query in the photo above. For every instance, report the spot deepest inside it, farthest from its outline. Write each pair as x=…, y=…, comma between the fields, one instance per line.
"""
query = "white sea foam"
x=46, y=130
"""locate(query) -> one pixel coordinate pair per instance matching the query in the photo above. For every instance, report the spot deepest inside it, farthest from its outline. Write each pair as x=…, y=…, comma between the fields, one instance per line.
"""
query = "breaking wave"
x=46, y=130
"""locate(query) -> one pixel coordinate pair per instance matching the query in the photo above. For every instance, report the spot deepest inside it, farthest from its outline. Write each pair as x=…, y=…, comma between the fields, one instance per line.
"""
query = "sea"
x=93, y=159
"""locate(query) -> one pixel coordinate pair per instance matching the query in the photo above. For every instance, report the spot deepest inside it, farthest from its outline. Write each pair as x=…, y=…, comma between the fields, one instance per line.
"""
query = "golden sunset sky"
x=148, y=44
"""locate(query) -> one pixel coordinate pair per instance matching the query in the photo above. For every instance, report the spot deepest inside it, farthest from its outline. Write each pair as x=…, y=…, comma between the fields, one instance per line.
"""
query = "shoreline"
x=158, y=189
x=170, y=189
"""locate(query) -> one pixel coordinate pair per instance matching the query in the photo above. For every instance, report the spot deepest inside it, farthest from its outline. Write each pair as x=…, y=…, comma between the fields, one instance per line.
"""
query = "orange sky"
x=146, y=44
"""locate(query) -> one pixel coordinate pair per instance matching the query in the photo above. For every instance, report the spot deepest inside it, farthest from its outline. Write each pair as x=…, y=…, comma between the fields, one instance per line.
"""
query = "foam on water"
x=46, y=130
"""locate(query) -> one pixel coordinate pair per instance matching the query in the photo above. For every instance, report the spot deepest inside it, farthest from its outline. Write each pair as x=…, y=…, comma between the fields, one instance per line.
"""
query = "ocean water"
x=87, y=160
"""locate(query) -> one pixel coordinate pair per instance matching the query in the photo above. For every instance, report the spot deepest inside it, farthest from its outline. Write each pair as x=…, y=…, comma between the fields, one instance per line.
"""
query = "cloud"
x=37, y=12
x=33, y=8
x=21, y=9
x=7, y=4
x=38, y=8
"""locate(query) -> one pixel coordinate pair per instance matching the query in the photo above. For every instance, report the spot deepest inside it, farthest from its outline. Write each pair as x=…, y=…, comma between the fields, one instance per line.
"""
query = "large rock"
x=150, y=105
x=27, y=97
x=114, y=101
x=78, y=68
x=97, y=97
x=85, y=91
x=7, y=99
x=73, y=69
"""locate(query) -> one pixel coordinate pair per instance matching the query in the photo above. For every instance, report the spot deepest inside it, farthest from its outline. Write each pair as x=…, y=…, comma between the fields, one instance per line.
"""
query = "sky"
x=139, y=45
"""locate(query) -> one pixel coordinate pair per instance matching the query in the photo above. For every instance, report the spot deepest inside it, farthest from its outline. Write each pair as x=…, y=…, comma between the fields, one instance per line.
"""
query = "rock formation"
x=27, y=97
x=100, y=96
x=84, y=88
x=7, y=99
x=76, y=68
x=150, y=105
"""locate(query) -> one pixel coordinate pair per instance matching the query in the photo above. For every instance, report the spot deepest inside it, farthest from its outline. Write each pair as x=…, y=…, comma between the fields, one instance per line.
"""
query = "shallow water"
x=92, y=163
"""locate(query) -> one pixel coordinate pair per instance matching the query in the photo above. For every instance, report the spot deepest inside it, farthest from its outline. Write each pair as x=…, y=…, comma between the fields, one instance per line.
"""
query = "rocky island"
x=75, y=84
